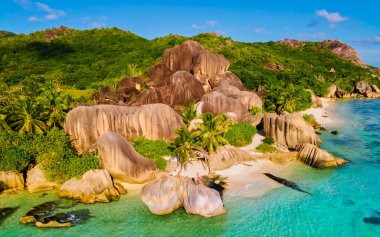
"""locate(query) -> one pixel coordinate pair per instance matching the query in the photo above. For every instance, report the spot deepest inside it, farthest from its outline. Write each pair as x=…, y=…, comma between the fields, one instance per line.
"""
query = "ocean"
x=341, y=197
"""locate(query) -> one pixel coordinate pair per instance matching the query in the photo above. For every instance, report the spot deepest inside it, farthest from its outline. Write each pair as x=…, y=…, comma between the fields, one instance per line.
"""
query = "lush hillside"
x=93, y=58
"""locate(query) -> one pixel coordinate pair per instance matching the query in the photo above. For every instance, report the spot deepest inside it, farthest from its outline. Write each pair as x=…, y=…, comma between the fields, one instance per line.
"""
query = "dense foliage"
x=266, y=148
x=153, y=149
x=83, y=59
x=240, y=134
x=51, y=150
x=268, y=140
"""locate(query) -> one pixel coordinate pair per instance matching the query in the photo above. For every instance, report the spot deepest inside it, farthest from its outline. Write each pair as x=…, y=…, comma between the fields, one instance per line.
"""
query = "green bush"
x=268, y=140
x=152, y=149
x=240, y=134
x=266, y=148
x=255, y=110
x=307, y=118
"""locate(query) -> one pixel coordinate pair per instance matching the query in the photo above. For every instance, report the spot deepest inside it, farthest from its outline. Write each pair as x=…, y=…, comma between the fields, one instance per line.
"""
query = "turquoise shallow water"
x=341, y=197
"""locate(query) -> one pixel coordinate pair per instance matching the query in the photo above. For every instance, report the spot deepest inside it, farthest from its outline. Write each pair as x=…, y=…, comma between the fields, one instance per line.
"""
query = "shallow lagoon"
x=341, y=197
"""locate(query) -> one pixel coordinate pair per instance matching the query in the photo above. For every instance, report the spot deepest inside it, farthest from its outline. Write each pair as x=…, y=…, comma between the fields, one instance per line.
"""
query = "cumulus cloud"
x=51, y=14
x=195, y=26
x=332, y=17
x=212, y=23
x=34, y=18
x=368, y=42
x=97, y=25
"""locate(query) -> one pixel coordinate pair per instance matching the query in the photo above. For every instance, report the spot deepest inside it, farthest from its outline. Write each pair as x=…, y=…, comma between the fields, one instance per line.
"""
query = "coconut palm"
x=3, y=123
x=189, y=113
x=25, y=117
x=54, y=106
x=212, y=131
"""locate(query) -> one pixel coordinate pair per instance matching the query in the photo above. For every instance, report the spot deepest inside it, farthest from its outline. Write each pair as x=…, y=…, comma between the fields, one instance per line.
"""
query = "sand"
x=324, y=116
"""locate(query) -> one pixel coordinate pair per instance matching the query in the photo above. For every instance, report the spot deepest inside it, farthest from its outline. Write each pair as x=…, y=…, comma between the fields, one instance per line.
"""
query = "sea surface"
x=341, y=198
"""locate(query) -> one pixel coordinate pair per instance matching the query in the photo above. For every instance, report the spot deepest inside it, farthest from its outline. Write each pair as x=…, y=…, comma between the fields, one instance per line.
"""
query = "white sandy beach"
x=325, y=115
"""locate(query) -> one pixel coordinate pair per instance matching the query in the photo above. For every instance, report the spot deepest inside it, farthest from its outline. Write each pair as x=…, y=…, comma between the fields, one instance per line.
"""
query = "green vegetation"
x=52, y=150
x=307, y=118
x=240, y=134
x=268, y=140
x=189, y=113
x=255, y=110
x=266, y=148
x=153, y=149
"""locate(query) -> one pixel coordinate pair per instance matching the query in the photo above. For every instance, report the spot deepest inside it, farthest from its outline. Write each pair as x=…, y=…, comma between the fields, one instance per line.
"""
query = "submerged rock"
x=65, y=219
x=5, y=212
x=122, y=161
x=168, y=193
x=94, y=186
x=38, y=212
x=285, y=182
x=372, y=220
x=154, y=121
x=289, y=130
x=317, y=157
x=11, y=181
x=37, y=182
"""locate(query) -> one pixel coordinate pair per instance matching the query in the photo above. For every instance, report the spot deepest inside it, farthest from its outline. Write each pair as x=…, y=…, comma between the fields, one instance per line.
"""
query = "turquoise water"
x=341, y=197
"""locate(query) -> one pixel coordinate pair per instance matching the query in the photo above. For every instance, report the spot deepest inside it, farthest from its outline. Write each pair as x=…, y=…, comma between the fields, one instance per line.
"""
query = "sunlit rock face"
x=289, y=130
x=122, y=161
x=154, y=121
x=317, y=157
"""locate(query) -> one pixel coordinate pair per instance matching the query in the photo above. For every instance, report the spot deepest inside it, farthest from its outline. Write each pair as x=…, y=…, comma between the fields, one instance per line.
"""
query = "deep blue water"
x=341, y=198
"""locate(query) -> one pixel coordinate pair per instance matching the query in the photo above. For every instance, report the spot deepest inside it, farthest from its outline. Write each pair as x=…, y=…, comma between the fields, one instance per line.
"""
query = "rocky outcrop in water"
x=122, y=161
x=343, y=51
x=154, y=121
x=64, y=219
x=11, y=181
x=317, y=157
x=168, y=193
x=364, y=89
x=289, y=130
x=38, y=212
x=37, y=182
x=5, y=212
x=94, y=186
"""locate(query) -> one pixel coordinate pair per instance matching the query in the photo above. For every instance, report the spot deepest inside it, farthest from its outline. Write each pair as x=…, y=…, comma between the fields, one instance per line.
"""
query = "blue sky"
x=353, y=22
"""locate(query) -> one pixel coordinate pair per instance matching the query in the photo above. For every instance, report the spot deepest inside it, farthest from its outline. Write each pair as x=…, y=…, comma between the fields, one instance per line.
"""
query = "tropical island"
x=95, y=113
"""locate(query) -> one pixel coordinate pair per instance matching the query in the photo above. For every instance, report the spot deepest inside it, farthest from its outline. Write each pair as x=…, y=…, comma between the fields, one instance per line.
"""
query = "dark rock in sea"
x=65, y=219
x=372, y=220
x=285, y=182
x=318, y=133
x=334, y=132
x=42, y=195
x=6, y=212
x=36, y=213
x=377, y=212
x=322, y=129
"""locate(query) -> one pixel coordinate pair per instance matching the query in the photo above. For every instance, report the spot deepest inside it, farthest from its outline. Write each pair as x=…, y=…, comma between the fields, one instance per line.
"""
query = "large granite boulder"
x=315, y=100
x=198, y=199
x=343, y=51
x=94, y=186
x=228, y=156
x=154, y=121
x=289, y=130
x=227, y=78
x=161, y=195
x=11, y=181
x=247, y=98
x=122, y=161
x=291, y=42
x=216, y=103
x=375, y=88
x=37, y=182
x=317, y=157
x=336, y=92
x=362, y=88
x=168, y=193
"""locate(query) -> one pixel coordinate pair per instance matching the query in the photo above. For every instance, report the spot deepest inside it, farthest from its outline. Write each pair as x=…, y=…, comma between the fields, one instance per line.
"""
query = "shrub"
x=255, y=110
x=266, y=148
x=268, y=140
x=307, y=118
x=152, y=149
x=240, y=134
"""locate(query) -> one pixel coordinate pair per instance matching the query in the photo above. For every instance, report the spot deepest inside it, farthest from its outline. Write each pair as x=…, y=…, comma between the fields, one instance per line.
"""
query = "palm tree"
x=55, y=106
x=212, y=131
x=25, y=117
x=184, y=147
x=3, y=123
x=189, y=113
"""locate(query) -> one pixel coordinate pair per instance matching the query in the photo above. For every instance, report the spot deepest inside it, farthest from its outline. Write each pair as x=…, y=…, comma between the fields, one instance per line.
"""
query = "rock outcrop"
x=226, y=78
x=122, y=161
x=168, y=193
x=317, y=157
x=228, y=156
x=362, y=87
x=336, y=92
x=216, y=103
x=94, y=186
x=291, y=42
x=154, y=121
x=289, y=130
x=11, y=181
x=37, y=182
x=247, y=98
x=343, y=51
x=315, y=100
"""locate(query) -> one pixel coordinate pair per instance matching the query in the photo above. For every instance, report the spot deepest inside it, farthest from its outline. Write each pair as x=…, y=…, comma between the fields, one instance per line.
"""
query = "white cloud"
x=34, y=18
x=52, y=14
x=332, y=17
x=220, y=32
x=26, y=4
x=195, y=26
x=97, y=25
x=260, y=30
x=368, y=42
x=212, y=23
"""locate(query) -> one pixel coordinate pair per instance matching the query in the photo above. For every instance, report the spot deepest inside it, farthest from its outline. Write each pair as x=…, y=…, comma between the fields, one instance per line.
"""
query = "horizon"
x=355, y=24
